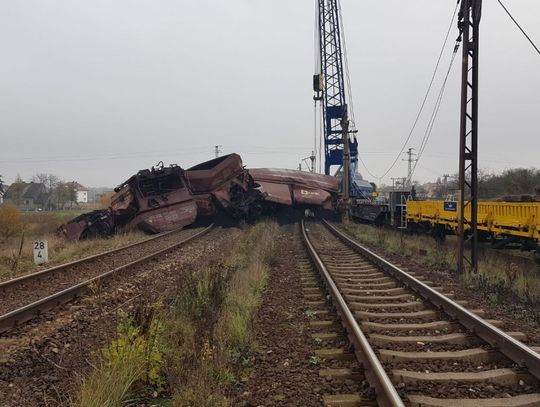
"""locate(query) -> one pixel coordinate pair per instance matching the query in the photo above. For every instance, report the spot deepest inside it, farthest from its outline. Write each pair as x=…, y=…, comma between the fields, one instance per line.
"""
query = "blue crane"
x=329, y=87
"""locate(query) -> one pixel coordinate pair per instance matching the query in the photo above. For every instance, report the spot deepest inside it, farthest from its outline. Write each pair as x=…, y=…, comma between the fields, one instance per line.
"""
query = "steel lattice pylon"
x=469, y=25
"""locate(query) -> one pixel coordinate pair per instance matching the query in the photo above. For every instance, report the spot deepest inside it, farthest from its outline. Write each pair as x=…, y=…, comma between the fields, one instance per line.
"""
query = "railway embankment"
x=45, y=360
x=16, y=252
x=195, y=349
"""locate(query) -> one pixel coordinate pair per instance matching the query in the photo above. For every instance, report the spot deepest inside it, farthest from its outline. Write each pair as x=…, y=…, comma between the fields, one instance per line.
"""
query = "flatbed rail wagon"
x=502, y=223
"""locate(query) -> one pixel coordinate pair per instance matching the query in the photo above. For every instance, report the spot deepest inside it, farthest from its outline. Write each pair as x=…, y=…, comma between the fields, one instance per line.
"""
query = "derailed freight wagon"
x=297, y=188
x=167, y=198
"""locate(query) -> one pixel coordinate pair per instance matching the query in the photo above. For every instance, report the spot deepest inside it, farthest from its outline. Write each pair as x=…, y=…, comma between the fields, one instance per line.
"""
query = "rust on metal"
x=216, y=174
x=301, y=178
x=278, y=193
x=166, y=198
x=291, y=187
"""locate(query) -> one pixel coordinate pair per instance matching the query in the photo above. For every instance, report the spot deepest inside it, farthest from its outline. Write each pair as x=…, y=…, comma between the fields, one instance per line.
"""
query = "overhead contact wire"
x=427, y=93
x=519, y=26
x=435, y=112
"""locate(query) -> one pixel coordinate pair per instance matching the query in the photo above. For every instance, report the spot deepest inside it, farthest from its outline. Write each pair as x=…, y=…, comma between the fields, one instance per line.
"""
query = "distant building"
x=27, y=196
x=95, y=194
x=82, y=193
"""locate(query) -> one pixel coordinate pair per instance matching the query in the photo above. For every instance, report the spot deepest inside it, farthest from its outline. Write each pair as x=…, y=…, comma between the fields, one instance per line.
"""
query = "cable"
x=366, y=168
x=426, y=95
x=433, y=117
x=349, y=86
x=316, y=40
x=346, y=63
x=521, y=29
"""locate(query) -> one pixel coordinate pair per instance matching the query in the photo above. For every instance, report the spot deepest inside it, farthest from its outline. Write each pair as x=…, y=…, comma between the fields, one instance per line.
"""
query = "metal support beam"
x=346, y=170
x=329, y=86
x=469, y=24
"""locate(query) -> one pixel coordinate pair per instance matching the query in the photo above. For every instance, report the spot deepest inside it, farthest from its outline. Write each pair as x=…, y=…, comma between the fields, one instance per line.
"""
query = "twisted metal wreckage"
x=166, y=198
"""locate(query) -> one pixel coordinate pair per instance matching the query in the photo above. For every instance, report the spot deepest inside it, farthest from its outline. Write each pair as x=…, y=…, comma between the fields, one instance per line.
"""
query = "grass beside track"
x=189, y=351
x=43, y=225
x=498, y=279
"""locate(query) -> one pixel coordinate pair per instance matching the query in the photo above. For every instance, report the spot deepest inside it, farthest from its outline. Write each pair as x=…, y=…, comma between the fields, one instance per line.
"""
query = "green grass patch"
x=190, y=352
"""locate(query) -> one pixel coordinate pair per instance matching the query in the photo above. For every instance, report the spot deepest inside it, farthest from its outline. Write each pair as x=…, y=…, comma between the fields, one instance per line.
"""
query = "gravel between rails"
x=330, y=248
x=285, y=371
x=29, y=290
x=516, y=315
x=43, y=362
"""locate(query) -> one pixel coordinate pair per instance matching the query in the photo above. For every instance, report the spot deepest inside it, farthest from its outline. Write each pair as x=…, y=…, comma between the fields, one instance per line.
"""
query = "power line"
x=366, y=168
x=521, y=29
x=435, y=112
x=427, y=93
x=346, y=63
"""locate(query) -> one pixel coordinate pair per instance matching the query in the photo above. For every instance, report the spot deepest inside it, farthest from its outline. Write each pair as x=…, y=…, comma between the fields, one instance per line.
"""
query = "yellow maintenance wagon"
x=500, y=222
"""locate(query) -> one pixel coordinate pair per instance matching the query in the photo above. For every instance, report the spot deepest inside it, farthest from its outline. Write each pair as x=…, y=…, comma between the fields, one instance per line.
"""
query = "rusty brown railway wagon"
x=297, y=188
x=166, y=198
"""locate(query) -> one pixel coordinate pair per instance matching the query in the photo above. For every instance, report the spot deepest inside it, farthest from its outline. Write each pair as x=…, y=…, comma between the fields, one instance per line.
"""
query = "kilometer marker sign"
x=41, y=252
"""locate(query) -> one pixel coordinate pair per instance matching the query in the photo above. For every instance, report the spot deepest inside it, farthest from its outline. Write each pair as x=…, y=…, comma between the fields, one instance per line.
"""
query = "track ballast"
x=416, y=346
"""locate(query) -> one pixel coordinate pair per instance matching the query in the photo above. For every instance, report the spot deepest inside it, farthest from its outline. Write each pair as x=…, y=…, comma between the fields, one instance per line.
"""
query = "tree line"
x=515, y=181
x=59, y=194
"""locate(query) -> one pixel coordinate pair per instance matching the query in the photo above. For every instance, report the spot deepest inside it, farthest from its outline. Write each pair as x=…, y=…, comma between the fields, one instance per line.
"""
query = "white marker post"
x=41, y=252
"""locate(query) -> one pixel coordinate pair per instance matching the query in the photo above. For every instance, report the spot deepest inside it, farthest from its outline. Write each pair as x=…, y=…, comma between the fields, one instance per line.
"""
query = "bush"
x=43, y=223
x=11, y=223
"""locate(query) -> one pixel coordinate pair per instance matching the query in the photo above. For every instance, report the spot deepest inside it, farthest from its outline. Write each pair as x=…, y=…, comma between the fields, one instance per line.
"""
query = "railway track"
x=30, y=295
x=416, y=345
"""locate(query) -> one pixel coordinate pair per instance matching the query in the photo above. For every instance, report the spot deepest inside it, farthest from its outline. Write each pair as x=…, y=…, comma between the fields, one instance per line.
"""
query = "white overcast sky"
x=95, y=90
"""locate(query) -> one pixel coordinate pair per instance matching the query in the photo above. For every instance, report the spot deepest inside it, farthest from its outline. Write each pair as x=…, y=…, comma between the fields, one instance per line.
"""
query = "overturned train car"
x=166, y=198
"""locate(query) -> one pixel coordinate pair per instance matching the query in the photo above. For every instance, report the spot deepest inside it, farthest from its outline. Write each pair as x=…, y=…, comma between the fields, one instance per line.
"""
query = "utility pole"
x=469, y=26
x=311, y=163
x=445, y=177
x=217, y=150
x=410, y=162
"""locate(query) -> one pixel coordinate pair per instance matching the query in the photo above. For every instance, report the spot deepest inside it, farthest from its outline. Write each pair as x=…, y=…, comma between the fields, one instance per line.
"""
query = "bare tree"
x=72, y=193
x=17, y=189
x=49, y=180
x=41, y=178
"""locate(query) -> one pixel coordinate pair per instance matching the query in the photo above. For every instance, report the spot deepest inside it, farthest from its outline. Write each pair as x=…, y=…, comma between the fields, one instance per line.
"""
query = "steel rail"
x=29, y=311
x=30, y=276
x=515, y=350
x=387, y=395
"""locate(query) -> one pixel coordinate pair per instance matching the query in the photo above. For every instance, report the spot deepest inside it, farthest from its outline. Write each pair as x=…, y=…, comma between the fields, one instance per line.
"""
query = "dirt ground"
x=285, y=371
x=43, y=362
